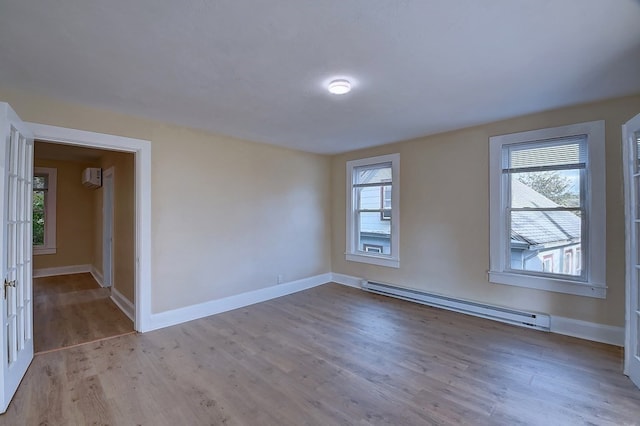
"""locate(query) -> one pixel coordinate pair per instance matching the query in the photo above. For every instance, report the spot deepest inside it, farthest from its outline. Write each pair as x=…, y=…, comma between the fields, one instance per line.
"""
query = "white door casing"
x=16, y=193
x=631, y=156
x=142, y=150
x=107, y=227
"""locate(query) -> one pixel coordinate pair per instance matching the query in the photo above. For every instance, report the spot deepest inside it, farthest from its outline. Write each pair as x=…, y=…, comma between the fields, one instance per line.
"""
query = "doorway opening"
x=84, y=250
x=141, y=232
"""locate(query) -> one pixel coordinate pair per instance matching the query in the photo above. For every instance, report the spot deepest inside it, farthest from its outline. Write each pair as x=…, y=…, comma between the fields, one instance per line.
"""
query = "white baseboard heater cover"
x=496, y=313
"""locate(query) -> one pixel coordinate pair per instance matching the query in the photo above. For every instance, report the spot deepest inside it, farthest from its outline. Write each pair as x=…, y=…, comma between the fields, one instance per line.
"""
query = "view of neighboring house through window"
x=547, y=209
x=372, y=210
x=44, y=210
x=372, y=248
x=547, y=263
x=568, y=262
x=546, y=203
x=385, y=199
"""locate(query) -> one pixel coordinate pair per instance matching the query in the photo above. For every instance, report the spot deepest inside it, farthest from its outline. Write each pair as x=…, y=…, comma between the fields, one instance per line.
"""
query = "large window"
x=44, y=210
x=373, y=210
x=547, y=203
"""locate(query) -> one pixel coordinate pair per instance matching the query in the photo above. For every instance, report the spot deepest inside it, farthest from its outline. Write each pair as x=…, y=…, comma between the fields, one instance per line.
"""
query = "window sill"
x=43, y=250
x=549, y=284
x=374, y=260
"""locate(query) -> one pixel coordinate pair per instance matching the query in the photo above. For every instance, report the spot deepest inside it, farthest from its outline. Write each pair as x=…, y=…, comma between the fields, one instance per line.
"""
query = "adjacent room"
x=83, y=253
x=354, y=213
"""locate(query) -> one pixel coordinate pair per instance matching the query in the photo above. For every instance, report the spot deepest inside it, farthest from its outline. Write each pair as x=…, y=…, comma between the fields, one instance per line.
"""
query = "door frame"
x=142, y=188
x=107, y=224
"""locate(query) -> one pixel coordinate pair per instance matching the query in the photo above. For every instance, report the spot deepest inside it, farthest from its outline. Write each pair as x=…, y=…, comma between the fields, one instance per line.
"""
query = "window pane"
x=637, y=338
x=374, y=232
x=386, y=197
x=38, y=218
x=546, y=189
x=369, y=198
x=40, y=182
x=636, y=184
x=539, y=154
x=637, y=153
x=638, y=295
x=373, y=174
x=546, y=241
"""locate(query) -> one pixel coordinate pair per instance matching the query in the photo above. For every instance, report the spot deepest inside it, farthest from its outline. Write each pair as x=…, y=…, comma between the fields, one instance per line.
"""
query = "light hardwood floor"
x=72, y=309
x=327, y=356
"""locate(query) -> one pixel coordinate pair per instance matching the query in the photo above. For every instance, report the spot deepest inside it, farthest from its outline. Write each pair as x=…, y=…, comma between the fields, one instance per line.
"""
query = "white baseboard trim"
x=347, y=280
x=61, y=270
x=570, y=327
x=189, y=313
x=588, y=330
x=123, y=303
x=97, y=275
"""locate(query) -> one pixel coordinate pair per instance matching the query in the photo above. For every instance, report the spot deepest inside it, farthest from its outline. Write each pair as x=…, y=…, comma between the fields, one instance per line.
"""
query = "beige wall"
x=123, y=221
x=74, y=217
x=444, y=215
x=228, y=216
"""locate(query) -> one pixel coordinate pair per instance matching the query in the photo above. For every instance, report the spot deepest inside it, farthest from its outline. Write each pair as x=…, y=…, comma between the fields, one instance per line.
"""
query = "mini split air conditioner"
x=92, y=177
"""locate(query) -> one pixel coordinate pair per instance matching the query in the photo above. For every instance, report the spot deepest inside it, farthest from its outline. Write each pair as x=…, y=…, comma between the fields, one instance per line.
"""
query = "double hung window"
x=373, y=210
x=547, y=206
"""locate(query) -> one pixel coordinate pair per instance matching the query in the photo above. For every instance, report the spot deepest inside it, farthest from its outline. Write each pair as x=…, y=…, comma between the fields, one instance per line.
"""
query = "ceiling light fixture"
x=339, y=87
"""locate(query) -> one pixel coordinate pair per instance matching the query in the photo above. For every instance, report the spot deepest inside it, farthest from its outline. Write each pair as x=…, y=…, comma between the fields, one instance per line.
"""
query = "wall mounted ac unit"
x=92, y=177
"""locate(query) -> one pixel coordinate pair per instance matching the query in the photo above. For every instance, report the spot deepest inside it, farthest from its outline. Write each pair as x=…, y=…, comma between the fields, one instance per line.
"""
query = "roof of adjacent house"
x=540, y=227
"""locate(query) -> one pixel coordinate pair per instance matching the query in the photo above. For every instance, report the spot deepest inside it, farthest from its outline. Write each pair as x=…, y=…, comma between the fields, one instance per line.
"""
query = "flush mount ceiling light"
x=339, y=87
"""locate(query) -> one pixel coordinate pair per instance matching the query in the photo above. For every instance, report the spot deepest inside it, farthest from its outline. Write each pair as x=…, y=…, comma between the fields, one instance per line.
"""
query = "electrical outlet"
x=280, y=279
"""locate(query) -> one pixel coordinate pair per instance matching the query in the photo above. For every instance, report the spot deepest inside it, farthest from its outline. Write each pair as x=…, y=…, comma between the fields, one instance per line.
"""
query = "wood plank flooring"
x=73, y=309
x=330, y=355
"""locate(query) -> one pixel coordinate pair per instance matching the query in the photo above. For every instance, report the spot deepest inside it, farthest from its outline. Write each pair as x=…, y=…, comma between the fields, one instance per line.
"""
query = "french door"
x=16, y=311
x=631, y=152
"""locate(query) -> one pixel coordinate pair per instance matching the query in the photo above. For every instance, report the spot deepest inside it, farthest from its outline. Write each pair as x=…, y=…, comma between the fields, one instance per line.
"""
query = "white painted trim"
x=61, y=270
x=39, y=250
x=588, y=330
x=559, y=325
x=142, y=150
x=189, y=313
x=97, y=275
x=347, y=280
x=549, y=284
x=373, y=259
x=123, y=303
x=108, y=196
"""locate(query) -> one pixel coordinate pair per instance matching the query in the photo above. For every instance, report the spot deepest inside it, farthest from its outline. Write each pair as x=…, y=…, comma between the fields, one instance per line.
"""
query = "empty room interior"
x=286, y=213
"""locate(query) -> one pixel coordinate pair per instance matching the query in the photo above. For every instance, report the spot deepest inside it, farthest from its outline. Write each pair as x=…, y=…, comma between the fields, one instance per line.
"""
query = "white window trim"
x=352, y=254
x=49, y=246
x=595, y=284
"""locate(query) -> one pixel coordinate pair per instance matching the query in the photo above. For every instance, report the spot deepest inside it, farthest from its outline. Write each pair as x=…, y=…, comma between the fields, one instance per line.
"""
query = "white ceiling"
x=258, y=69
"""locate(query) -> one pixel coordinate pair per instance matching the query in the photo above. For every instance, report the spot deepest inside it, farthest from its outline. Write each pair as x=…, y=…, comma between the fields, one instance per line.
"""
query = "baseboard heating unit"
x=509, y=316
